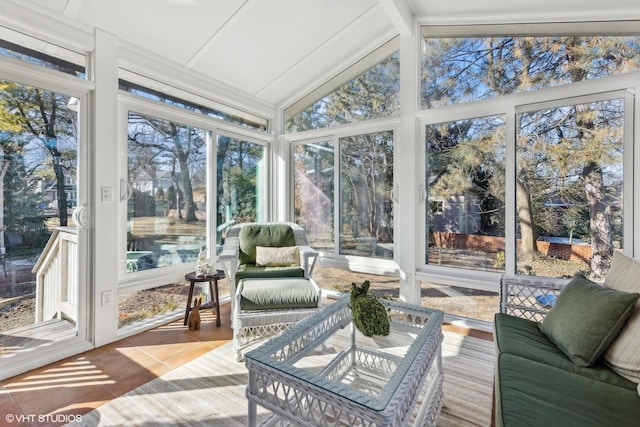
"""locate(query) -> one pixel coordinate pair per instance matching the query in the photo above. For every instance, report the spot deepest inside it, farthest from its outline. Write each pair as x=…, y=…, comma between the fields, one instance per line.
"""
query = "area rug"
x=209, y=391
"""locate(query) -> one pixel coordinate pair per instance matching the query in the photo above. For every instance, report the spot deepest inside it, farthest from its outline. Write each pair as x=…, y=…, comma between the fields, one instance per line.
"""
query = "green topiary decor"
x=369, y=315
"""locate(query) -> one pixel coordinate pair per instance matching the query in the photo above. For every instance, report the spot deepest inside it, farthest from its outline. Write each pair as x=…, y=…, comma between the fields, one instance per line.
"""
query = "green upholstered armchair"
x=238, y=256
x=268, y=267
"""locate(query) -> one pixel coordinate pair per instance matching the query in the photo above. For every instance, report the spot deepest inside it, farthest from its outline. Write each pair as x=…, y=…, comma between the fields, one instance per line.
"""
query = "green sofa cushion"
x=273, y=294
x=523, y=338
x=537, y=385
x=531, y=393
x=252, y=235
x=623, y=355
x=586, y=318
x=250, y=271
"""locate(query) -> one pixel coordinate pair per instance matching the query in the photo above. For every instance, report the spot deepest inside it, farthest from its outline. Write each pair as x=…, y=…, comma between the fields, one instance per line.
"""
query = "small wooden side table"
x=213, y=291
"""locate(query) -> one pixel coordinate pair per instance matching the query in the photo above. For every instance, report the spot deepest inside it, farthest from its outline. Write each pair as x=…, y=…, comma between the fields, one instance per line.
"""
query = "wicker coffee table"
x=324, y=372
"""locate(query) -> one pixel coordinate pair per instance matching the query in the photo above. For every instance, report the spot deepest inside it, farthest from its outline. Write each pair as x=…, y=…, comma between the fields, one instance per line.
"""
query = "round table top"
x=219, y=274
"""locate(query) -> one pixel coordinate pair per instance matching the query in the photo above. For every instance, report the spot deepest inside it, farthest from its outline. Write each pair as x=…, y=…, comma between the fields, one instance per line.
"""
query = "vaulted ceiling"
x=277, y=50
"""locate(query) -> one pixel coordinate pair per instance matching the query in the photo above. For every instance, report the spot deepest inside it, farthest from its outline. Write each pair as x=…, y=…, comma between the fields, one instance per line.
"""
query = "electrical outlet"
x=107, y=194
x=107, y=298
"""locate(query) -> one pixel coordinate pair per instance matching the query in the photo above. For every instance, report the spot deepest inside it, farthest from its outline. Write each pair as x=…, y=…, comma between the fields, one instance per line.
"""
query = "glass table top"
x=325, y=350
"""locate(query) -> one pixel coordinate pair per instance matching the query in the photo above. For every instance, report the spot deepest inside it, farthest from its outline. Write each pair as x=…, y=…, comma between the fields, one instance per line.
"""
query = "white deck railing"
x=57, y=277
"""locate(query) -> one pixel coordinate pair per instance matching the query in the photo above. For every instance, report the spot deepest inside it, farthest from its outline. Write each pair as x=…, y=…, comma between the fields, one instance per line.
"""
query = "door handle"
x=80, y=216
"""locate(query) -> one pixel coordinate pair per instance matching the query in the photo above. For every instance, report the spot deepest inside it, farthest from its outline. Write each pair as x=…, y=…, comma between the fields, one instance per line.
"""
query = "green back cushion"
x=277, y=235
x=623, y=355
x=586, y=319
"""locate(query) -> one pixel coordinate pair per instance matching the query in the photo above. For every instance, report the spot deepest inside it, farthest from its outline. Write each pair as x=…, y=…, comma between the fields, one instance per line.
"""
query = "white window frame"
x=37, y=76
x=370, y=265
x=620, y=86
x=135, y=281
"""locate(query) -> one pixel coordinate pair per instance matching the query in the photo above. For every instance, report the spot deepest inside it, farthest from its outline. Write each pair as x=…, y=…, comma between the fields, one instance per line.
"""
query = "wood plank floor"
x=48, y=396
x=27, y=337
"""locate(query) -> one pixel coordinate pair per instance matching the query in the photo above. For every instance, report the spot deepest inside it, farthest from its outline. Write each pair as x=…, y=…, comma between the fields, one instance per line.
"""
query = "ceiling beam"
x=401, y=15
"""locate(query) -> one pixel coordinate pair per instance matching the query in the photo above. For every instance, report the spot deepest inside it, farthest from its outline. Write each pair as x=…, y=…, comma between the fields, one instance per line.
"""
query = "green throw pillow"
x=586, y=319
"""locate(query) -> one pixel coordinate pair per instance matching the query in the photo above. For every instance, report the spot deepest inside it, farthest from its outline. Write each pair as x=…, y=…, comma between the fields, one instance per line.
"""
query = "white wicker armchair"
x=251, y=325
x=230, y=251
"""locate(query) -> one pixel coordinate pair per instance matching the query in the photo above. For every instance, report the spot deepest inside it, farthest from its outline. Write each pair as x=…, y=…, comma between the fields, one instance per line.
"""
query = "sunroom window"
x=342, y=190
x=569, y=187
x=366, y=199
x=42, y=53
x=461, y=69
x=167, y=176
x=188, y=101
x=465, y=193
x=375, y=93
x=562, y=112
x=363, y=193
x=314, y=192
x=240, y=182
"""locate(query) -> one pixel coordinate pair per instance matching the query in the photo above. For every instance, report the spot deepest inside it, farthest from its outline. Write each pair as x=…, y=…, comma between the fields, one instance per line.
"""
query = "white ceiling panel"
x=172, y=28
x=272, y=36
x=278, y=50
x=357, y=40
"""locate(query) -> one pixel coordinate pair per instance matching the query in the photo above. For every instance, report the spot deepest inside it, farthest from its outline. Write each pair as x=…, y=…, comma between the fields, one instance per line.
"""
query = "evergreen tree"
x=459, y=70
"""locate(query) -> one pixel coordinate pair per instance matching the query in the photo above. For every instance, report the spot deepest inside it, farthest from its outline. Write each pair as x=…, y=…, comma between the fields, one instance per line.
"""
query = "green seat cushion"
x=531, y=393
x=523, y=338
x=274, y=294
x=269, y=235
x=586, y=318
x=250, y=271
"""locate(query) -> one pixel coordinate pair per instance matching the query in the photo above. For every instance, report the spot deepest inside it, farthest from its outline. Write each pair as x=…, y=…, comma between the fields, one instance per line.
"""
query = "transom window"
x=373, y=94
x=39, y=52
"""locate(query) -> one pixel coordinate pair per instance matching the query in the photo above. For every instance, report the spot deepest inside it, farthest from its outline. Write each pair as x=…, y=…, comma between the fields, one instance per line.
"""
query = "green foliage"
x=42, y=130
x=143, y=204
x=568, y=158
x=160, y=193
x=22, y=218
x=373, y=94
x=237, y=178
x=500, y=260
x=369, y=315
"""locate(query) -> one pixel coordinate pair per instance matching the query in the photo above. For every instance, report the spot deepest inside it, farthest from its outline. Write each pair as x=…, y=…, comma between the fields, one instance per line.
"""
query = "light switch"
x=107, y=194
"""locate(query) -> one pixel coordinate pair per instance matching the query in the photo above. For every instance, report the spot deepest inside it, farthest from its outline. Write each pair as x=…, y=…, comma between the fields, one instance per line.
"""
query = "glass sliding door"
x=43, y=293
x=366, y=202
x=166, y=214
x=313, y=192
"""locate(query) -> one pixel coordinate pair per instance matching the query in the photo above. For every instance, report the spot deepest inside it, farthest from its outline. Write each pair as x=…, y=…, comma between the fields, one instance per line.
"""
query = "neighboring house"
x=150, y=182
x=458, y=214
x=49, y=189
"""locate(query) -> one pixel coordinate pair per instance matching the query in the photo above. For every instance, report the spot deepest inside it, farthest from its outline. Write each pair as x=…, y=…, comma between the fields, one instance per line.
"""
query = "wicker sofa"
x=545, y=378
